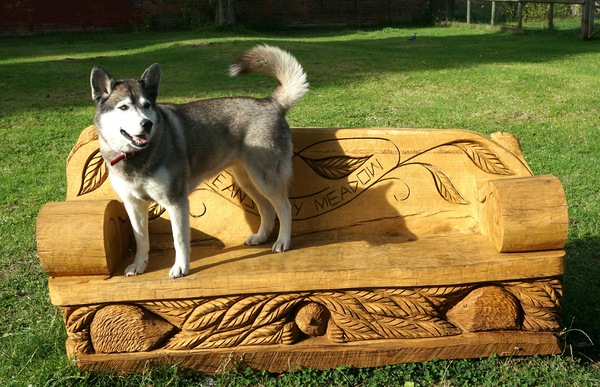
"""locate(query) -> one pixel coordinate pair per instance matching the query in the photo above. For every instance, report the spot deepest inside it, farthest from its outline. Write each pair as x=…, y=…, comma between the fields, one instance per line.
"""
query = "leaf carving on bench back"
x=336, y=167
x=482, y=157
x=95, y=173
x=444, y=185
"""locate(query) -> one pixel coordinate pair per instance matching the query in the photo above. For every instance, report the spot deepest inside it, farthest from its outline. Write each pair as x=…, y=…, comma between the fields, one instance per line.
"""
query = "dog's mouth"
x=139, y=142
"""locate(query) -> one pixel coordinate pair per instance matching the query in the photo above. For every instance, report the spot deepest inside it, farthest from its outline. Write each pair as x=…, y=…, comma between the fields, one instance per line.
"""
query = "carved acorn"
x=312, y=319
x=128, y=328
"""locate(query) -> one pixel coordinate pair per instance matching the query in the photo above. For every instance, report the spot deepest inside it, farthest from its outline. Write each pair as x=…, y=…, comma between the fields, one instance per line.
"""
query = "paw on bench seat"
x=407, y=245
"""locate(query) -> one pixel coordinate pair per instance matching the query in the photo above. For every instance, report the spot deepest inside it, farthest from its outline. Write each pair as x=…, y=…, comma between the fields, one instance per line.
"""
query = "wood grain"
x=86, y=237
x=408, y=244
x=330, y=262
x=525, y=214
x=319, y=355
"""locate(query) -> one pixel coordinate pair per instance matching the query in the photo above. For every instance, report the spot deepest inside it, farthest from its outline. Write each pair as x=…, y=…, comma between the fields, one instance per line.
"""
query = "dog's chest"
x=156, y=186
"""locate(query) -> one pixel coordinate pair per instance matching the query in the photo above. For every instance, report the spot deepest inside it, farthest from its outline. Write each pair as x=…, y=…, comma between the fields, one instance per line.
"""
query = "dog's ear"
x=102, y=84
x=151, y=79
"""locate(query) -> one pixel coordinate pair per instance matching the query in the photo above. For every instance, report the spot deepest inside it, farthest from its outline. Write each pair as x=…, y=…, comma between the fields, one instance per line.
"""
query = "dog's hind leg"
x=279, y=198
x=265, y=209
x=138, y=215
x=269, y=192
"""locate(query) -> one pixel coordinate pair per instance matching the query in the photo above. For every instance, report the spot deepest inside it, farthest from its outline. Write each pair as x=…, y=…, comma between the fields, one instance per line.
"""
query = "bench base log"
x=408, y=245
x=319, y=354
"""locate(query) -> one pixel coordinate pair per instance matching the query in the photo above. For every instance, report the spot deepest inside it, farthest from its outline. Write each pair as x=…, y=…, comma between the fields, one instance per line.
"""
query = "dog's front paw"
x=281, y=245
x=178, y=271
x=256, y=239
x=134, y=269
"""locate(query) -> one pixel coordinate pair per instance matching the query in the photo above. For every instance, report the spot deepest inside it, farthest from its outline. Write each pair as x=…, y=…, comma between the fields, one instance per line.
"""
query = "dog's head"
x=125, y=110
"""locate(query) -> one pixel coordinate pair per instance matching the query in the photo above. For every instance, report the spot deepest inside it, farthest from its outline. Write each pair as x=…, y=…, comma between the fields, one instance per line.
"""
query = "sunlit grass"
x=540, y=86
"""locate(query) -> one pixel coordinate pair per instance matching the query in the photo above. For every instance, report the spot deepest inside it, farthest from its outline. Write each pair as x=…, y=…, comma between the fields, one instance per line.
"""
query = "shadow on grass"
x=195, y=66
x=581, y=294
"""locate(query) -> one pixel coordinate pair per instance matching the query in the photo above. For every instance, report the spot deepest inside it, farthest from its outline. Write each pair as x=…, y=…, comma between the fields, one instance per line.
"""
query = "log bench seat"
x=408, y=245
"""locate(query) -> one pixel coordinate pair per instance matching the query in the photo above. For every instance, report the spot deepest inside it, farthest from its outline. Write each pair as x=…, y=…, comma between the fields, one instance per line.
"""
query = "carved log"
x=524, y=214
x=486, y=309
x=82, y=237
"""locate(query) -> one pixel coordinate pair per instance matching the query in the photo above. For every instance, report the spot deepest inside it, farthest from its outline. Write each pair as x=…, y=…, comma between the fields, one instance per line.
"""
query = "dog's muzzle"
x=139, y=141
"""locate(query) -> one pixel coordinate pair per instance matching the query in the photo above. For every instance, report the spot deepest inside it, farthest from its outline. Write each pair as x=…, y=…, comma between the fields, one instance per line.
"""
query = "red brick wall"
x=315, y=12
x=42, y=15
x=27, y=16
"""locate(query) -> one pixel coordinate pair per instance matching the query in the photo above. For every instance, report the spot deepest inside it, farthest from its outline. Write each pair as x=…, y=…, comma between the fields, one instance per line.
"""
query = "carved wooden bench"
x=408, y=245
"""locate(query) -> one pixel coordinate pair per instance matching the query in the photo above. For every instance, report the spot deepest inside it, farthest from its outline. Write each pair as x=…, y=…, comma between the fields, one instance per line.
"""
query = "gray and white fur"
x=161, y=152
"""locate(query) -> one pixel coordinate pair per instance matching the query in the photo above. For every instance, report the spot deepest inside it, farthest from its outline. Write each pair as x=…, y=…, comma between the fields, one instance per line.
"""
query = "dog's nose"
x=146, y=124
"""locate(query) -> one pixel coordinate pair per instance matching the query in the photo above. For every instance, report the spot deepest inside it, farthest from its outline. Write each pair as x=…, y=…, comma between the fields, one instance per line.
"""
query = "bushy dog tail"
x=279, y=64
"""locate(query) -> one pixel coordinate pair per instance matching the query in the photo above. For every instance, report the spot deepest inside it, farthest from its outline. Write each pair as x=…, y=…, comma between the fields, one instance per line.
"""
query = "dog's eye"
x=123, y=107
x=146, y=105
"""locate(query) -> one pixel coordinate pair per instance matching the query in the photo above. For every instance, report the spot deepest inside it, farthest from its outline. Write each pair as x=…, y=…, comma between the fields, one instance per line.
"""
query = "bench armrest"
x=524, y=214
x=82, y=237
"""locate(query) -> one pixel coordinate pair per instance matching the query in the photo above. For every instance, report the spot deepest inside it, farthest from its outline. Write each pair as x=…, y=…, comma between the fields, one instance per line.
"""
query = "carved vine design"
x=352, y=315
x=338, y=167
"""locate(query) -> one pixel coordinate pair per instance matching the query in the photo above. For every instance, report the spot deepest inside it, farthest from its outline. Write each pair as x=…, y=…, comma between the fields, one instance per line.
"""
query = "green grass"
x=541, y=86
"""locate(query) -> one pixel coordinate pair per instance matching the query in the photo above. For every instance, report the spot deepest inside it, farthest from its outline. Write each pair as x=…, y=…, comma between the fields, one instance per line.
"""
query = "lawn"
x=541, y=86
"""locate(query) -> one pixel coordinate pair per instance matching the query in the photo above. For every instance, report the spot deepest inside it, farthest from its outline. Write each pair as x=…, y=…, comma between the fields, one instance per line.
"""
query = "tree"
x=225, y=15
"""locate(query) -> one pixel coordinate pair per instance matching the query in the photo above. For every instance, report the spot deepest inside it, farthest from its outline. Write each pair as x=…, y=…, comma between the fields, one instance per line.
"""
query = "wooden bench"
x=408, y=245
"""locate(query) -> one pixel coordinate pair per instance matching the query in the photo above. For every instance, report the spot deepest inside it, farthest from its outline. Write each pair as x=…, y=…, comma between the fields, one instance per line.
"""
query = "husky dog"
x=161, y=152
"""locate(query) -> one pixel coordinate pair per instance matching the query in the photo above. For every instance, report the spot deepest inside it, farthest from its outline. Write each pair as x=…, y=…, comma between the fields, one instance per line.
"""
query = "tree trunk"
x=225, y=15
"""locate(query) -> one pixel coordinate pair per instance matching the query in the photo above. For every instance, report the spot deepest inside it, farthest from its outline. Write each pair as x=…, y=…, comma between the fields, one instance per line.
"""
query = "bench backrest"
x=406, y=183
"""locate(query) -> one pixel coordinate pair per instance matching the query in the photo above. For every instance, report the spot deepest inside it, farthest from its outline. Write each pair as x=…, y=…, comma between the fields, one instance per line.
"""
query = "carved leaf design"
x=354, y=315
x=94, y=173
x=268, y=334
x=174, y=312
x=435, y=326
x=81, y=318
x=537, y=319
x=243, y=311
x=277, y=308
x=155, y=210
x=226, y=339
x=444, y=185
x=335, y=333
x=355, y=328
x=336, y=167
x=439, y=295
x=417, y=327
x=290, y=333
x=188, y=339
x=81, y=342
x=533, y=294
x=444, y=291
x=540, y=301
x=411, y=303
x=482, y=157
x=340, y=303
x=554, y=290
x=378, y=304
x=208, y=314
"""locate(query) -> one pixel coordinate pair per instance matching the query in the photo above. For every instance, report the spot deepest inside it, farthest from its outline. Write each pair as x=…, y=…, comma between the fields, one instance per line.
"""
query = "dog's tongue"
x=141, y=141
